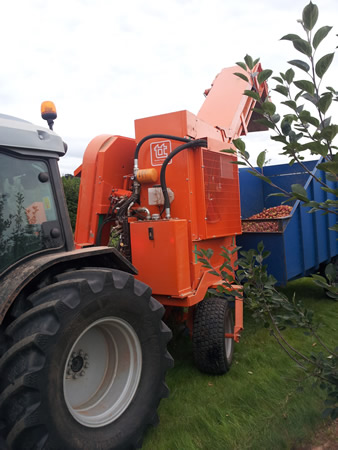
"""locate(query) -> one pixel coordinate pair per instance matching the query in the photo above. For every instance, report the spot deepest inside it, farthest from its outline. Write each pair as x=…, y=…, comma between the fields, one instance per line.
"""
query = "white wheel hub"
x=102, y=372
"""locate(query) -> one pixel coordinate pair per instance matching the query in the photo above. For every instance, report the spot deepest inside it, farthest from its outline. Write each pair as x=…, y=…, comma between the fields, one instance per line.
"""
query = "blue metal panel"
x=293, y=247
x=252, y=194
x=306, y=241
x=274, y=242
x=283, y=169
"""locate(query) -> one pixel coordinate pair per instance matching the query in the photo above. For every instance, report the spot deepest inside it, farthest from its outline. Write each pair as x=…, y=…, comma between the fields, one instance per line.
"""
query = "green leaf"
x=259, y=259
x=266, y=122
x=238, y=163
x=261, y=159
x=330, y=272
x=264, y=75
x=241, y=75
x=316, y=148
x=289, y=75
x=262, y=177
x=301, y=127
x=299, y=192
x=331, y=177
x=297, y=137
x=305, y=116
x=306, y=86
x=279, y=139
x=242, y=65
x=258, y=109
x=310, y=16
x=291, y=104
x=249, y=62
x=238, y=143
x=290, y=37
x=213, y=272
x=298, y=95
x=311, y=98
x=331, y=90
x=323, y=64
x=269, y=108
x=330, y=132
x=260, y=246
x=278, y=79
x=325, y=123
x=303, y=46
x=275, y=118
x=324, y=102
x=252, y=94
x=286, y=127
x=300, y=64
x=320, y=35
x=330, y=191
x=209, y=253
x=329, y=166
x=318, y=278
x=290, y=117
x=277, y=194
x=256, y=61
x=229, y=150
x=282, y=90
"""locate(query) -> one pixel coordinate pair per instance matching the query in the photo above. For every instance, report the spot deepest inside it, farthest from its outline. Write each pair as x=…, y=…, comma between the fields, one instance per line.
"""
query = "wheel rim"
x=228, y=342
x=102, y=372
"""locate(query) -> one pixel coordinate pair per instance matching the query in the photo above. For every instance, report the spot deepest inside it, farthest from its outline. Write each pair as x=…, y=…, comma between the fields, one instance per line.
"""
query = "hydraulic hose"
x=190, y=144
x=153, y=136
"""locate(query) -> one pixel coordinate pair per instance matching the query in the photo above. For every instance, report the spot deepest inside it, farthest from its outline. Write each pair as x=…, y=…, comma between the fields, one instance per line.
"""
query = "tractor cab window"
x=28, y=216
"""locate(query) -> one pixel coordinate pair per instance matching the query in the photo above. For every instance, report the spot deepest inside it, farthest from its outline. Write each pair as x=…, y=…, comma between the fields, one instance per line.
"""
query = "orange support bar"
x=238, y=326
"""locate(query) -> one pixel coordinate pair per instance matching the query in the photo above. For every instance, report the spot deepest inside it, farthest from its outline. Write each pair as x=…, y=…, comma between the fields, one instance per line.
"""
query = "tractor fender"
x=22, y=275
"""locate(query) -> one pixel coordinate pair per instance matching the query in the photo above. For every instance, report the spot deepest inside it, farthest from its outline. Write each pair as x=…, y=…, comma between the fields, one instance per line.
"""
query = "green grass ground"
x=257, y=404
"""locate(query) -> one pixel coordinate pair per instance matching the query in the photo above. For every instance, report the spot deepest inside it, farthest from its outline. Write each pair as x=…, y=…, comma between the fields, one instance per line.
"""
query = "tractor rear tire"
x=212, y=351
x=86, y=365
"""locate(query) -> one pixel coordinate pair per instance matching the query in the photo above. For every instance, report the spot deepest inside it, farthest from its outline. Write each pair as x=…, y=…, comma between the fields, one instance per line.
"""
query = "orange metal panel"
x=201, y=278
x=225, y=105
x=179, y=123
x=221, y=195
x=205, y=186
x=197, y=184
x=217, y=195
x=161, y=255
x=107, y=160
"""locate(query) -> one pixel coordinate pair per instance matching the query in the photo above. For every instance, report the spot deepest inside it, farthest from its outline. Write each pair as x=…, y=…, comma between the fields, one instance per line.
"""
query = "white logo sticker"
x=159, y=151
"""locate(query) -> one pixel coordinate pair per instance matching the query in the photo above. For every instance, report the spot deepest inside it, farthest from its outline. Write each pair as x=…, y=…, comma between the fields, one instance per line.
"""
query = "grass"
x=257, y=404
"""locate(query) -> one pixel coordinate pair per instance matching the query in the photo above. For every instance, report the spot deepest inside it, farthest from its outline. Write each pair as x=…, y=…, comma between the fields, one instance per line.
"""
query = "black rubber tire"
x=32, y=402
x=212, y=351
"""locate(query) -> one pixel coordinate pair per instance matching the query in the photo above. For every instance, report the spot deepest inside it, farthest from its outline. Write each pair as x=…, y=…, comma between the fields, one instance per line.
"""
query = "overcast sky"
x=105, y=63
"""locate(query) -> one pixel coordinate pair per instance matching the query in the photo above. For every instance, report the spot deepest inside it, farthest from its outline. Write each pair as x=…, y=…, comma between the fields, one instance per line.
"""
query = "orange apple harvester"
x=171, y=191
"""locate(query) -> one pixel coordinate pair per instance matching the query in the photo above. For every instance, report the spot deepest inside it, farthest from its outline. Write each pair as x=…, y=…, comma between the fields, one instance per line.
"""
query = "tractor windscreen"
x=27, y=208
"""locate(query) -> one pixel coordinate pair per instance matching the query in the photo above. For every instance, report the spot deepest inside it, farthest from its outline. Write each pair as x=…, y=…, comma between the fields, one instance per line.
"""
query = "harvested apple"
x=267, y=220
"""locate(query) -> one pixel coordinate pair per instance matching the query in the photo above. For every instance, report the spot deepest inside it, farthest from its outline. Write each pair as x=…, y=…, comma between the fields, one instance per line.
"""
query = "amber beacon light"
x=48, y=112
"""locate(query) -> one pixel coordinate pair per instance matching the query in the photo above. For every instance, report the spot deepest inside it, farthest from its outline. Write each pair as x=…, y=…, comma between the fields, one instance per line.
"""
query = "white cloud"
x=105, y=63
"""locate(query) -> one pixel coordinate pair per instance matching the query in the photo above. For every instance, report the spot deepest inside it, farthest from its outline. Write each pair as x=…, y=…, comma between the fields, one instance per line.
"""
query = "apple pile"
x=265, y=220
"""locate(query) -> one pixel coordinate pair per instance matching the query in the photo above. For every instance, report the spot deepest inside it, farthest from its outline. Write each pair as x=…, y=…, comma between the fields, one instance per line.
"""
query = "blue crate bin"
x=305, y=241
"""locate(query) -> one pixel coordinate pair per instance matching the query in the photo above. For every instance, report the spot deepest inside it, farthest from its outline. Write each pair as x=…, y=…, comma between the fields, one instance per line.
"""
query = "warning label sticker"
x=159, y=151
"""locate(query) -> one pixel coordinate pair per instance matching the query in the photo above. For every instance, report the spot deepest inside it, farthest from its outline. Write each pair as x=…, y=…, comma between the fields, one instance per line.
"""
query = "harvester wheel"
x=212, y=350
x=86, y=365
